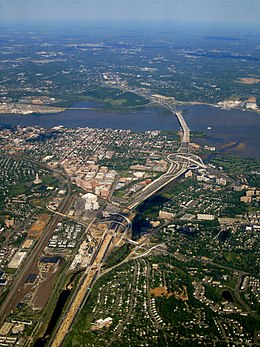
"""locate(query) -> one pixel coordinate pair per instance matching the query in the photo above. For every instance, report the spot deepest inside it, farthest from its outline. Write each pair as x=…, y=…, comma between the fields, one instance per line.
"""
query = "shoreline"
x=34, y=110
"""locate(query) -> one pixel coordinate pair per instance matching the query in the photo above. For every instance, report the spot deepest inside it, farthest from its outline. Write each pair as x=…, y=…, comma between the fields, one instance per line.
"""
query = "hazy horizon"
x=202, y=12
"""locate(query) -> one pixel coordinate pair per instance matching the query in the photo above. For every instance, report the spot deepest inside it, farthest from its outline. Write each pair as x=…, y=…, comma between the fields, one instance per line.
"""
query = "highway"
x=172, y=174
x=179, y=164
x=185, y=141
x=186, y=131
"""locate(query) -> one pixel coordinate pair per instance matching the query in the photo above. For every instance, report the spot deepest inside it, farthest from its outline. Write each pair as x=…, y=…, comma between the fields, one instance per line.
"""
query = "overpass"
x=192, y=159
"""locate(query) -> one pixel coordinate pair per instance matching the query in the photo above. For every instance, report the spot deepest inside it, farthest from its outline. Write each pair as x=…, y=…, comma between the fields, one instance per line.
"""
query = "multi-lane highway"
x=175, y=171
x=179, y=163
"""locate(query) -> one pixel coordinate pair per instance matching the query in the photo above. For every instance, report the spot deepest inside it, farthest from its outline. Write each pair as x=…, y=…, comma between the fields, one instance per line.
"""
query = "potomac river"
x=235, y=131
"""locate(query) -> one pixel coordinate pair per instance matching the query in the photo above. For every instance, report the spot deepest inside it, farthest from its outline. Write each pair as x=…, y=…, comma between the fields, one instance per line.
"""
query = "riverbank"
x=36, y=109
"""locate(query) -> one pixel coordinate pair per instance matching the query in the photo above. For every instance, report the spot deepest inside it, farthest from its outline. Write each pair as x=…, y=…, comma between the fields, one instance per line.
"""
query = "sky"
x=204, y=11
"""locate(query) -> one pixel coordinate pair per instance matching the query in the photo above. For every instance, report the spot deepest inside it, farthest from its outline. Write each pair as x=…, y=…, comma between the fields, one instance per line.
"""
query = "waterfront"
x=236, y=131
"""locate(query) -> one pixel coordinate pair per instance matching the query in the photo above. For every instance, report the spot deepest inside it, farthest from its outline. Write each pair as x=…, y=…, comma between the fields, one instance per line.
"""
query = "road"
x=32, y=259
x=155, y=186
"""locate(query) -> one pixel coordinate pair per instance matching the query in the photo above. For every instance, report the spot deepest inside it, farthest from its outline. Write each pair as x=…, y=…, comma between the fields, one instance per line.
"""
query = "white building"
x=17, y=260
x=202, y=216
x=91, y=203
x=37, y=179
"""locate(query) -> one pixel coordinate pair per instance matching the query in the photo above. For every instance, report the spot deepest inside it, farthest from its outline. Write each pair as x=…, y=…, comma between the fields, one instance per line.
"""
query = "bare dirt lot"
x=37, y=228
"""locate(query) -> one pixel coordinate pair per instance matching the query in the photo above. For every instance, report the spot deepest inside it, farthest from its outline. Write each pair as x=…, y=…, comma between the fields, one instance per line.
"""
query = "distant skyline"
x=203, y=11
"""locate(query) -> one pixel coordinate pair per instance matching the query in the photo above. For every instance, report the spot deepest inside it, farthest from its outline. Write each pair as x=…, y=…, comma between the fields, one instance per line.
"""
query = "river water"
x=235, y=131
x=146, y=119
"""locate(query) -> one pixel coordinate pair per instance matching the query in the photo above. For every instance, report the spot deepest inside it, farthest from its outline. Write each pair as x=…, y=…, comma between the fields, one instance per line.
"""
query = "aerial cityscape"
x=129, y=173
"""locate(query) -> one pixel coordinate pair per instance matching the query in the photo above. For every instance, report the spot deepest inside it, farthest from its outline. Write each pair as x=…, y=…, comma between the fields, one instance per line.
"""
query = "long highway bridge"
x=179, y=164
